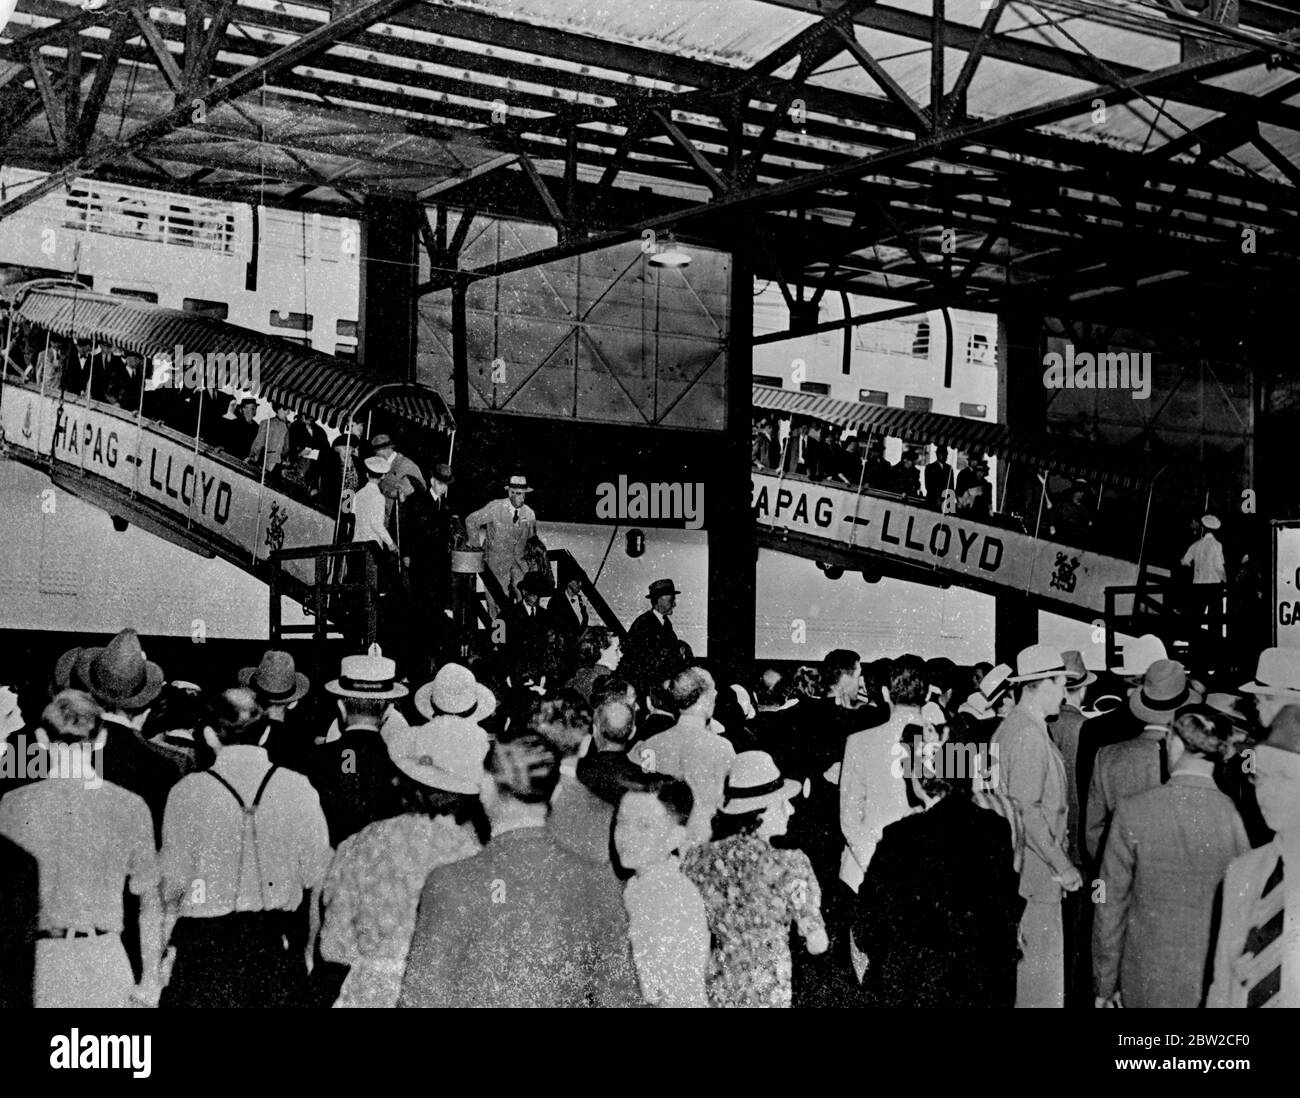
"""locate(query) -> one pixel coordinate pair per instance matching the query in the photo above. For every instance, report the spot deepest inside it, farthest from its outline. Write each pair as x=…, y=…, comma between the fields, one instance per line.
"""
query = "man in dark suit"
x=353, y=773
x=524, y=923
x=567, y=611
x=526, y=624
x=938, y=912
x=19, y=914
x=652, y=647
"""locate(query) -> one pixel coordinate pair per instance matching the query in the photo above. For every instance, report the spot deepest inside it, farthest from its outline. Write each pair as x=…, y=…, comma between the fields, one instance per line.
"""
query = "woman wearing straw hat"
x=753, y=892
x=373, y=885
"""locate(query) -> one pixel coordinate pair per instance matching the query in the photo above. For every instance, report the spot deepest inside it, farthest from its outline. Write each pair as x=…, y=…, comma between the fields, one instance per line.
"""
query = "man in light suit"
x=653, y=650
x=1165, y=857
x=524, y=923
x=1031, y=772
x=503, y=528
x=1257, y=956
x=1133, y=766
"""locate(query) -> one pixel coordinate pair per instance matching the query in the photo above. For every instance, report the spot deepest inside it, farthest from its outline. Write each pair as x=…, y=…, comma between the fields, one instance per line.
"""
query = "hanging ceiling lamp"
x=667, y=253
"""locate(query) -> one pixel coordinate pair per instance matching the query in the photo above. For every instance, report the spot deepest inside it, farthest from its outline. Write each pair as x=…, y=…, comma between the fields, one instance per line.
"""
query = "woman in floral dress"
x=372, y=889
x=753, y=892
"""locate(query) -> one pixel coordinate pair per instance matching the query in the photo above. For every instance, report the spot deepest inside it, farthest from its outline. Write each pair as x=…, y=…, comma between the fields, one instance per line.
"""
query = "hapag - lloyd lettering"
x=184, y=484
x=72, y=438
x=939, y=541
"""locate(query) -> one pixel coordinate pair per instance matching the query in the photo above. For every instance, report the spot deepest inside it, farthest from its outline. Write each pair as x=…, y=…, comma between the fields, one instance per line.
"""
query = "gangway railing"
x=343, y=600
x=566, y=567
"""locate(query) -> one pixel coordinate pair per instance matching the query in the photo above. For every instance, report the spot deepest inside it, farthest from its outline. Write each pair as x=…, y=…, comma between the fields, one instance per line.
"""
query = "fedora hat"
x=1038, y=661
x=1229, y=705
x=1078, y=675
x=978, y=706
x=660, y=588
x=519, y=482
x=380, y=441
x=1163, y=692
x=535, y=583
x=1278, y=673
x=369, y=676
x=64, y=666
x=276, y=680
x=376, y=464
x=118, y=675
x=1140, y=654
x=755, y=782
x=995, y=681
x=442, y=758
x=442, y=472
x=455, y=692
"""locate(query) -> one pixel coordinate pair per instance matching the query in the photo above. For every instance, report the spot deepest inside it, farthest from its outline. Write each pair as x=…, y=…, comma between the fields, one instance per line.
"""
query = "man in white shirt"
x=368, y=507
x=1209, y=575
x=242, y=842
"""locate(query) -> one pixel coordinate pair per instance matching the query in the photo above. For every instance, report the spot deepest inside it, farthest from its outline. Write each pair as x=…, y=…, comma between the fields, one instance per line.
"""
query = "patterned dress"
x=371, y=894
x=752, y=893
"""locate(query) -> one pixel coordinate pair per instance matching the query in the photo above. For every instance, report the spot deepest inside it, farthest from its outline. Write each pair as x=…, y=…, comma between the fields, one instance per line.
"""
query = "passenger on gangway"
x=907, y=475
x=271, y=442
x=504, y=528
x=938, y=478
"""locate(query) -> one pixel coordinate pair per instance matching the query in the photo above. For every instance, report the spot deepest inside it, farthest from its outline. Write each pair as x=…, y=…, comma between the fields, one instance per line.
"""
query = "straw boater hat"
x=377, y=464
x=1210, y=522
x=276, y=680
x=446, y=759
x=519, y=481
x=1277, y=673
x=754, y=782
x=980, y=703
x=1078, y=674
x=118, y=675
x=660, y=588
x=1038, y=661
x=1140, y=654
x=369, y=676
x=1163, y=692
x=455, y=692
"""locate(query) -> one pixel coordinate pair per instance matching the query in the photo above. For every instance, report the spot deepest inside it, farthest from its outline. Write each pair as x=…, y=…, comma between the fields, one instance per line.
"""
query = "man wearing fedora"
x=652, y=646
x=1164, y=859
x=125, y=684
x=1257, y=955
x=279, y=686
x=1031, y=772
x=524, y=923
x=353, y=773
x=399, y=464
x=1133, y=766
x=504, y=527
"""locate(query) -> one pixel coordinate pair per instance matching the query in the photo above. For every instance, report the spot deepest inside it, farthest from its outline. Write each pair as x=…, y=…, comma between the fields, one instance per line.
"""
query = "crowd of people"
x=637, y=826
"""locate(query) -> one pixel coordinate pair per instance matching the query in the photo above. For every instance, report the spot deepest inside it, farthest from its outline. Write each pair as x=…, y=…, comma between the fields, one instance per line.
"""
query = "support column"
x=729, y=520
x=459, y=350
x=1022, y=406
x=390, y=234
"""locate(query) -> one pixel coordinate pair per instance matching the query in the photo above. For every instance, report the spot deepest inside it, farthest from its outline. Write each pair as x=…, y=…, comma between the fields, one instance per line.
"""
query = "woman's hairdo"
x=1205, y=731
x=524, y=766
x=71, y=717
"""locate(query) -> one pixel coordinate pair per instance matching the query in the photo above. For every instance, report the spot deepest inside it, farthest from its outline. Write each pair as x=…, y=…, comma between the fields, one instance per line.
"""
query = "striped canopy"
x=311, y=383
x=1067, y=456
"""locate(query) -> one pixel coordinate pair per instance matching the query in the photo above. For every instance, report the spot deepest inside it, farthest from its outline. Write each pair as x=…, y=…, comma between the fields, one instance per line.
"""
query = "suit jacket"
x=1065, y=730
x=1242, y=885
x=582, y=823
x=561, y=618
x=524, y=923
x=503, y=539
x=1164, y=860
x=130, y=762
x=652, y=650
x=938, y=478
x=938, y=912
x=873, y=791
x=1031, y=772
x=1114, y=727
x=1122, y=770
x=355, y=779
x=20, y=908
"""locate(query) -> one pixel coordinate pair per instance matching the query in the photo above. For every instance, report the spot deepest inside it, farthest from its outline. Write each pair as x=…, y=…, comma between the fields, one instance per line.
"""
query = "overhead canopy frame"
x=310, y=382
x=1067, y=456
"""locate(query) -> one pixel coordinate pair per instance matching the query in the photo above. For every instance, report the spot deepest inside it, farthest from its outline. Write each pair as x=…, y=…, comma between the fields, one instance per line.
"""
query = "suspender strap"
x=249, y=815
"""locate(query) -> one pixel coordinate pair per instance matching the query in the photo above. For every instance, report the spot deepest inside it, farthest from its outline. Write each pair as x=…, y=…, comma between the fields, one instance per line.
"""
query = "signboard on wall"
x=196, y=487
x=1286, y=584
x=987, y=554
